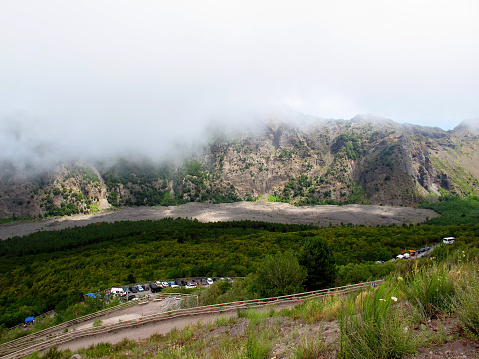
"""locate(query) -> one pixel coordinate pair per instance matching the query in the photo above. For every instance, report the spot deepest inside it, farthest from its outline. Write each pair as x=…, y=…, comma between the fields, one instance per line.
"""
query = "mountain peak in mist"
x=471, y=124
x=369, y=118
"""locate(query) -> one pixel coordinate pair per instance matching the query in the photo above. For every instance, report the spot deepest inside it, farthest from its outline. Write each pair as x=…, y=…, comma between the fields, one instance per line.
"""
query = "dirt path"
x=160, y=327
x=369, y=215
x=132, y=313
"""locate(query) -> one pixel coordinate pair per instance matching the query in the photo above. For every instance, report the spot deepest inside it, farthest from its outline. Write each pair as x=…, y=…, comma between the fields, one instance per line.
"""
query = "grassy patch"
x=466, y=301
x=430, y=289
x=374, y=325
x=256, y=316
x=14, y=218
x=225, y=321
x=309, y=347
x=315, y=310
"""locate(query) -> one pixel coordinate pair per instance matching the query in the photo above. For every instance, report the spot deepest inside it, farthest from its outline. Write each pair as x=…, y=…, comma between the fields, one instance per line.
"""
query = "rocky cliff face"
x=351, y=161
x=65, y=190
x=364, y=160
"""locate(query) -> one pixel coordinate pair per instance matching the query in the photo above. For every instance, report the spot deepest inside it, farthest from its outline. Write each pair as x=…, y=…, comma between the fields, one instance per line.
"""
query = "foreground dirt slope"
x=447, y=339
x=369, y=215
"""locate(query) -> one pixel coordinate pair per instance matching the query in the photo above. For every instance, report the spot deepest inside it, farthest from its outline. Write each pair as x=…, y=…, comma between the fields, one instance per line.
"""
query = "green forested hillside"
x=49, y=270
x=455, y=210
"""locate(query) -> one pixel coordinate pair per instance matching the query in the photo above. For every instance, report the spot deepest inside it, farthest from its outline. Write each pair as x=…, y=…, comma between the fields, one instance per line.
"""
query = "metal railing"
x=27, y=345
x=48, y=332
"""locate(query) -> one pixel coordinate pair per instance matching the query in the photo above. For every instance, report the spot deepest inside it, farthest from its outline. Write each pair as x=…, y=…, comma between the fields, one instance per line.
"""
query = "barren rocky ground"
x=368, y=215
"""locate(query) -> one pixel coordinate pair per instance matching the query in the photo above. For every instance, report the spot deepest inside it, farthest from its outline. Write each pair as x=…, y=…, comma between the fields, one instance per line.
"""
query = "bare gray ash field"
x=368, y=215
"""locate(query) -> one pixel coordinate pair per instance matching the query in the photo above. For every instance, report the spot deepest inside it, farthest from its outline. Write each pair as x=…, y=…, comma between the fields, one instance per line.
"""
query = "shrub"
x=466, y=301
x=373, y=325
x=430, y=289
x=310, y=347
x=257, y=348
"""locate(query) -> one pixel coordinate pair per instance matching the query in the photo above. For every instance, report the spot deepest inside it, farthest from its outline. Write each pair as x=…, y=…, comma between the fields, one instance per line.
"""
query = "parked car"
x=209, y=281
x=173, y=284
x=155, y=288
x=203, y=281
x=132, y=297
x=118, y=291
x=448, y=240
x=133, y=289
x=140, y=288
x=427, y=248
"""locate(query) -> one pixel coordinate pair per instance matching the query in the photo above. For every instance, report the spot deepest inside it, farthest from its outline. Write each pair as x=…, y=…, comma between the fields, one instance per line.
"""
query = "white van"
x=118, y=291
x=448, y=240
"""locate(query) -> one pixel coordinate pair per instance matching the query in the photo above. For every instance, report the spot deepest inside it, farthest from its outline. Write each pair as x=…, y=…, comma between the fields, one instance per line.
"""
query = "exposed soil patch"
x=370, y=215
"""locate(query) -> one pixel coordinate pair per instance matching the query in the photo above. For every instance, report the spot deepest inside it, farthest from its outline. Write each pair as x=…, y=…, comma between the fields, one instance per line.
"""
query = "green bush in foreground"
x=466, y=301
x=375, y=326
x=431, y=289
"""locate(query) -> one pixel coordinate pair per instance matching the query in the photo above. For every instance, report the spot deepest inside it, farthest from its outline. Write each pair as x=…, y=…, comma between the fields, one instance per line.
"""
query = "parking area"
x=147, y=290
x=411, y=254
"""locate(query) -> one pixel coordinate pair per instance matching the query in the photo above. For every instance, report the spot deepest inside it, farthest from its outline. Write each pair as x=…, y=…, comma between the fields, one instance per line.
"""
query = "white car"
x=209, y=281
x=140, y=288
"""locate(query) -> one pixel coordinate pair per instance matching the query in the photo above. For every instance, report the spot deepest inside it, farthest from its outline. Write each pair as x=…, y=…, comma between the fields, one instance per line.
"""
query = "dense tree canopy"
x=279, y=274
x=318, y=259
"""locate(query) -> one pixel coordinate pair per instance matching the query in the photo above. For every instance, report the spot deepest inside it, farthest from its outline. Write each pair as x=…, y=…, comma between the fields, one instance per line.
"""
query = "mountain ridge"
x=365, y=160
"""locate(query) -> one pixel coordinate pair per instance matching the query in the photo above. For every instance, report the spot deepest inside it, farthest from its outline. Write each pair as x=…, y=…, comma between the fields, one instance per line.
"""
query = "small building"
x=448, y=240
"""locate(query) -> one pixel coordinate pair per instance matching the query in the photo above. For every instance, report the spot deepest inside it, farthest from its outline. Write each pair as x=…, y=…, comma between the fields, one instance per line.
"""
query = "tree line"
x=53, y=269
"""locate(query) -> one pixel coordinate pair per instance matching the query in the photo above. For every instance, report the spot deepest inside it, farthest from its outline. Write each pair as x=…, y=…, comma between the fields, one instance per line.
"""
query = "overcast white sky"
x=146, y=74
